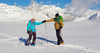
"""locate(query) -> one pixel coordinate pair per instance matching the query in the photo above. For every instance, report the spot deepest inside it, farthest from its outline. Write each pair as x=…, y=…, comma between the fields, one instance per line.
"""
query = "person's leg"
x=61, y=37
x=34, y=38
x=28, y=40
x=58, y=37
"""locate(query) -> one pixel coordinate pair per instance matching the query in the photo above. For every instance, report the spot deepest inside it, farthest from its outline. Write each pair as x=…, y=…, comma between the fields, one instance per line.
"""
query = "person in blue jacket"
x=31, y=30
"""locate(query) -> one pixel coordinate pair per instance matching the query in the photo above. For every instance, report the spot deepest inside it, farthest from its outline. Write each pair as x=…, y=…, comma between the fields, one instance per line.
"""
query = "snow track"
x=9, y=37
x=46, y=45
x=80, y=48
x=65, y=46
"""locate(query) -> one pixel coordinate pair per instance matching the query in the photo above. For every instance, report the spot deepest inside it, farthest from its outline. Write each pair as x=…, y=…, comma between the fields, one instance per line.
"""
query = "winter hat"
x=33, y=17
x=57, y=14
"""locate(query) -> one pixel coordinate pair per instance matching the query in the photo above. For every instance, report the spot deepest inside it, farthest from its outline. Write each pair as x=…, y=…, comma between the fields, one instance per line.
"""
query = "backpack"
x=61, y=18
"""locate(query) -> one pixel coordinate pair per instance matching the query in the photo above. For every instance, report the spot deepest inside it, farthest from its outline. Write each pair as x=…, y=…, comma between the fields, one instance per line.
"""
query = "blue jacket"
x=31, y=26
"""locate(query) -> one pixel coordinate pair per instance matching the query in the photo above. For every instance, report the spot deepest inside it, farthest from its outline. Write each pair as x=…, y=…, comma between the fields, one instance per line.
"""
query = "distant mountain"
x=13, y=13
x=68, y=14
x=51, y=10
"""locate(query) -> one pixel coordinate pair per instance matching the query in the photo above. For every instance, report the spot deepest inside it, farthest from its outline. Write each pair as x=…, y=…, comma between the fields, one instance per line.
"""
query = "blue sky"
x=23, y=3
x=26, y=3
x=92, y=4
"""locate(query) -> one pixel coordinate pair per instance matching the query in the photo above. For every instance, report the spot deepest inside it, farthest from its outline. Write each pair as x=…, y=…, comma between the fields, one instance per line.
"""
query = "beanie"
x=57, y=14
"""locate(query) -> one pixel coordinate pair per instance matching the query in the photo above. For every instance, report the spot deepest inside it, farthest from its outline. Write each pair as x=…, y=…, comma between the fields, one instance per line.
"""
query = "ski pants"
x=59, y=38
x=30, y=36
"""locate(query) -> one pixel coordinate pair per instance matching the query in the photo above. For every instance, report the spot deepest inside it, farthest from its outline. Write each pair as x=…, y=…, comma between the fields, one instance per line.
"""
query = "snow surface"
x=79, y=36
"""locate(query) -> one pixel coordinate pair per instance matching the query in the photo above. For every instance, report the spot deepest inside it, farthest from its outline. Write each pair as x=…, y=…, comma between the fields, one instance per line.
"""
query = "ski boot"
x=33, y=45
x=62, y=43
x=26, y=44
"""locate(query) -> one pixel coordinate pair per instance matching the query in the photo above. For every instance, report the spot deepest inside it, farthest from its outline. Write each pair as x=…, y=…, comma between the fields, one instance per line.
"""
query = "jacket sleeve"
x=38, y=23
x=61, y=23
x=28, y=25
x=50, y=20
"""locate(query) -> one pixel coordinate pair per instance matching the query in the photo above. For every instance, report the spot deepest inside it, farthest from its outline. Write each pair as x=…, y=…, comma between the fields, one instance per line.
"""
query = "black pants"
x=59, y=38
x=30, y=36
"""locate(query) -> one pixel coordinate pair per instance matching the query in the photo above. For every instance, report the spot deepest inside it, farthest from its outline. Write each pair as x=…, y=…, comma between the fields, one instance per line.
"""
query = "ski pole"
x=46, y=31
x=21, y=41
x=43, y=35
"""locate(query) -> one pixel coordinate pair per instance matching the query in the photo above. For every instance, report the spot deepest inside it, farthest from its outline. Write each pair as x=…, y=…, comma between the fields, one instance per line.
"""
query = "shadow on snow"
x=40, y=38
x=44, y=39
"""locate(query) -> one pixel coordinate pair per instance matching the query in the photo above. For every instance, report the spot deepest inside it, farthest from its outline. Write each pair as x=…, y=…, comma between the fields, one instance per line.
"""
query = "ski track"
x=7, y=39
x=7, y=35
x=40, y=47
x=80, y=47
x=74, y=47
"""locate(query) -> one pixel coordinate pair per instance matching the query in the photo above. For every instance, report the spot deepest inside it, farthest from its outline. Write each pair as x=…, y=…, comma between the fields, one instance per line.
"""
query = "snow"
x=80, y=36
x=13, y=13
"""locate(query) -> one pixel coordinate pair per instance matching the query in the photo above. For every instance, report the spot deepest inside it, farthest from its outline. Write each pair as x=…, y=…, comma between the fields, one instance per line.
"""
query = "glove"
x=60, y=27
x=27, y=31
x=43, y=21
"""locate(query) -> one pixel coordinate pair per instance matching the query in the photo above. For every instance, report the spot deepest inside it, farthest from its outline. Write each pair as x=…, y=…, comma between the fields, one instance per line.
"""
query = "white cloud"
x=79, y=4
x=79, y=7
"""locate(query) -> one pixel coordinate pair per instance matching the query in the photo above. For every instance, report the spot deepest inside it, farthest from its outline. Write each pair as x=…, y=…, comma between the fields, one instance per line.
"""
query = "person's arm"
x=28, y=25
x=50, y=20
x=38, y=23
